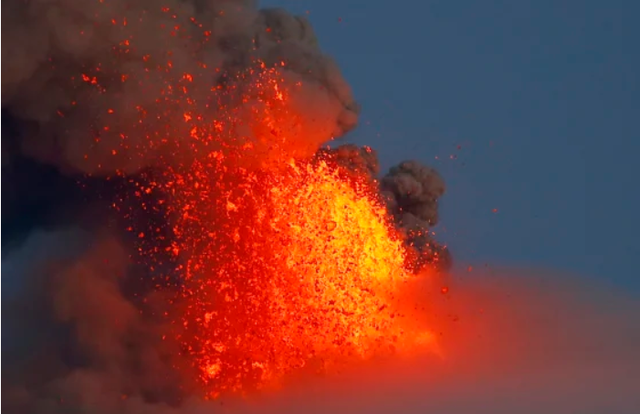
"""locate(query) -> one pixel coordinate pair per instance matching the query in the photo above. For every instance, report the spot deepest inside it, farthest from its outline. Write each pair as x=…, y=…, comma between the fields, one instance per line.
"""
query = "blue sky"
x=541, y=96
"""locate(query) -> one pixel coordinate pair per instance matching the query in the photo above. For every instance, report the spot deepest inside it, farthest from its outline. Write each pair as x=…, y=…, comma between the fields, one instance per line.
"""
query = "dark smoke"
x=82, y=325
x=75, y=340
x=59, y=124
x=412, y=190
x=76, y=73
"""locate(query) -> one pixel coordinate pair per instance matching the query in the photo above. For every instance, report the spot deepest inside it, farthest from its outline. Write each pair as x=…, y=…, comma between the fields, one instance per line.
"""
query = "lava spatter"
x=286, y=260
x=304, y=269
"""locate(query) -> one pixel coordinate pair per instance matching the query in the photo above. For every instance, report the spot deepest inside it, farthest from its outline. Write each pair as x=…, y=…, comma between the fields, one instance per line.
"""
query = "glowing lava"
x=301, y=269
x=287, y=261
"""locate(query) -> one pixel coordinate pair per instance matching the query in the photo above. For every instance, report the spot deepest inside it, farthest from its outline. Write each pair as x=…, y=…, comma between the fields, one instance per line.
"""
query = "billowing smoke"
x=96, y=85
x=75, y=340
x=97, y=92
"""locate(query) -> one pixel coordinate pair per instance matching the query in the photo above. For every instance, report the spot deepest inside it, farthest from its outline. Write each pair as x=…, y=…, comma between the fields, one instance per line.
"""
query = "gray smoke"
x=412, y=190
x=97, y=84
x=74, y=341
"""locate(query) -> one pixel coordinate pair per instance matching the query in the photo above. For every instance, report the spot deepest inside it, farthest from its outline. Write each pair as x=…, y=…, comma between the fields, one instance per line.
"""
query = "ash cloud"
x=87, y=87
x=75, y=341
x=412, y=190
x=77, y=74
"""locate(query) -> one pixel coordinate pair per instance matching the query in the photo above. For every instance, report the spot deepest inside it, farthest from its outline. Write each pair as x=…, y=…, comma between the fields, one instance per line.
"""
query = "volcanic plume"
x=226, y=246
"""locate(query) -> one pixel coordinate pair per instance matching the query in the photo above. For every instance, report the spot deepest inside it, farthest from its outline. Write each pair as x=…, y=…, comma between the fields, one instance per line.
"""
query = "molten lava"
x=301, y=268
x=286, y=260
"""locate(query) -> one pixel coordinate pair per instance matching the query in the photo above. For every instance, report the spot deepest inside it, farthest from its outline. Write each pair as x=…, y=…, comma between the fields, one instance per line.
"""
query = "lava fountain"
x=204, y=126
x=283, y=266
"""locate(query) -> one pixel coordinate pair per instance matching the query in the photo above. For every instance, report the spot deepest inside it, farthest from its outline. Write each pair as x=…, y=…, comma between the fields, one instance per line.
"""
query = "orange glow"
x=302, y=269
x=286, y=261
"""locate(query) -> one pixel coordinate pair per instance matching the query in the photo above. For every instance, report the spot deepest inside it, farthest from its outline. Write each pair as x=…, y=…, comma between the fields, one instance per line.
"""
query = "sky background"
x=542, y=98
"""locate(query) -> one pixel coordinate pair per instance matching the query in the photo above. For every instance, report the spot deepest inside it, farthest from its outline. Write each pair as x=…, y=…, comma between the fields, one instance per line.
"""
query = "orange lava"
x=287, y=261
x=300, y=269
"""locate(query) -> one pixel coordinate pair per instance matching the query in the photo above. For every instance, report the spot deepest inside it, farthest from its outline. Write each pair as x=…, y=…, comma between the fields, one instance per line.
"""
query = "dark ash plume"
x=93, y=83
x=412, y=190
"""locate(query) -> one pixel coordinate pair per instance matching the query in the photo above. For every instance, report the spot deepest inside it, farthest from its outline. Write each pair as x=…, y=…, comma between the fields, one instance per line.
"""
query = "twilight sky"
x=541, y=96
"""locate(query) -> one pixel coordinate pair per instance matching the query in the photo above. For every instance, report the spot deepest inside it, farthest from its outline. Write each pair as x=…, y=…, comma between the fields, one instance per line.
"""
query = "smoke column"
x=73, y=68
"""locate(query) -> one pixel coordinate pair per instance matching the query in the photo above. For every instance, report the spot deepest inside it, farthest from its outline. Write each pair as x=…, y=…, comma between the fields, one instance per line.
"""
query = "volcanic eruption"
x=231, y=245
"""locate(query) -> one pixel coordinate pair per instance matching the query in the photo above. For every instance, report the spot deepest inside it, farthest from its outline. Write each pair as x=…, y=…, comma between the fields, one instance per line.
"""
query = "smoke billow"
x=74, y=340
x=96, y=86
x=99, y=87
x=413, y=190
